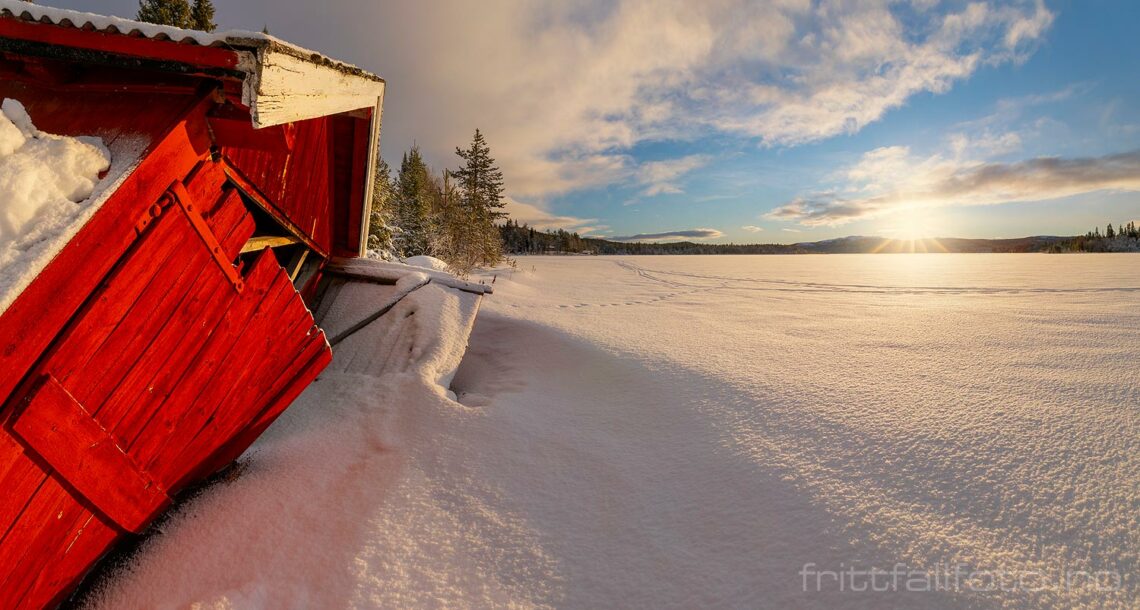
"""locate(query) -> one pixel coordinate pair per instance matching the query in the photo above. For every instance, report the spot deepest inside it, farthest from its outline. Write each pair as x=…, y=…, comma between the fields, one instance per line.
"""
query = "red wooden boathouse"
x=170, y=328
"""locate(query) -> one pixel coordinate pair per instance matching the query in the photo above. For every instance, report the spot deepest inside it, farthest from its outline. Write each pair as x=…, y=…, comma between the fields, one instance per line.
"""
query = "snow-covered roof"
x=282, y=82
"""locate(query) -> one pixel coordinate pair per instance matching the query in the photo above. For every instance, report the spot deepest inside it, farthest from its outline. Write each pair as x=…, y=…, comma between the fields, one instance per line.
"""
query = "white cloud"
x=862, y=62
x=672, y=235
x=752, y=228
x=890, y=179
x=564, y=91
x=661, y=177
x=525, y=213
x=988, y=143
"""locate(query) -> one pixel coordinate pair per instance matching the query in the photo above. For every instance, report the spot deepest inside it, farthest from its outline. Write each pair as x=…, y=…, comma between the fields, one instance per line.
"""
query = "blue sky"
x=735, y=120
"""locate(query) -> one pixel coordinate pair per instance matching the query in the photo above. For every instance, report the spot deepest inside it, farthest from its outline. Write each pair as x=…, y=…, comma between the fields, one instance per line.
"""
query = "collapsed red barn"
x=166, y=333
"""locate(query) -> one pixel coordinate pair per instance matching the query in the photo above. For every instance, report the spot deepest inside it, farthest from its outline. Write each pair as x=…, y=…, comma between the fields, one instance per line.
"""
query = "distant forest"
x=522, y=239
x=1122, y=238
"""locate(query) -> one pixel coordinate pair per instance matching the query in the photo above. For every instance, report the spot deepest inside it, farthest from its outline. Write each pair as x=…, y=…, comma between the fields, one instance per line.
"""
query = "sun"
x=912, y=225
x=912, y=231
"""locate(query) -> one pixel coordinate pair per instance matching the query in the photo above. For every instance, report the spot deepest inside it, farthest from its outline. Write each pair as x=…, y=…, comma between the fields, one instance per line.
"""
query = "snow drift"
x=46, y=182
x=427, y=262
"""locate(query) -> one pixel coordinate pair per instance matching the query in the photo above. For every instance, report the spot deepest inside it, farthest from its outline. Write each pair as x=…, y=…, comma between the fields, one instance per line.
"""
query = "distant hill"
x=525, y=240
x=859, y=244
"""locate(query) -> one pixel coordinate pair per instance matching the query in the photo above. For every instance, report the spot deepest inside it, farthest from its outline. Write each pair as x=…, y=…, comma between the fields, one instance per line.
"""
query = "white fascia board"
x=370, y=175
x=284, y=88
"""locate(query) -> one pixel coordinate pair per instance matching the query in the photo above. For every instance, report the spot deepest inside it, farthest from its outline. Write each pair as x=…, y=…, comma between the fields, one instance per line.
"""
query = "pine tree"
x=481, y=185
x=383, y=203
x=202, y=16
x=165, y=12
x=413, y=205
x=1108, y=232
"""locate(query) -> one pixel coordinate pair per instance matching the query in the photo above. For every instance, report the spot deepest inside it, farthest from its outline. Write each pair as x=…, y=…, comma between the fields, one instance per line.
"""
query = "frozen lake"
x=845, y=431
x=752, y=426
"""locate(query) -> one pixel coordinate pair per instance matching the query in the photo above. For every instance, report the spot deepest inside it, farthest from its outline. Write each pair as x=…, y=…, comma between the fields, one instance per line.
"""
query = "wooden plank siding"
x=171, y=369
x=141, y=359
x=316, y=183
x=297, y=185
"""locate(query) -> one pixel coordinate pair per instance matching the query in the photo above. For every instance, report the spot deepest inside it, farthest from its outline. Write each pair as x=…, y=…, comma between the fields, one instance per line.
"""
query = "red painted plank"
x=110, y=304
x=313, y=361
x=236, y=131
x=63, y=433
x=206, y=185
x=208, y=421
x=142, y=117
x=119, y=44
x=250, y=392
x=152, y=350
x=122, y=348
x=171, y=291
x=21, y=479
x=23, y=552
x=250, y=398
x=90, y=539
x=231, y=222
x=355, y=205
x=297, y=185
x=184, y=334
x=192, y=396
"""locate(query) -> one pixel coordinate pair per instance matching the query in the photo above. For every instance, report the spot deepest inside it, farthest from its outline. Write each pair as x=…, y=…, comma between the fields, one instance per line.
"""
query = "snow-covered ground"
x=678, y=432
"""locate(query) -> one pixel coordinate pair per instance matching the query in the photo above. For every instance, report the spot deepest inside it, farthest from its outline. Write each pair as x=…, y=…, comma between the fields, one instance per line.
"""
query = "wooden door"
x=171, y=368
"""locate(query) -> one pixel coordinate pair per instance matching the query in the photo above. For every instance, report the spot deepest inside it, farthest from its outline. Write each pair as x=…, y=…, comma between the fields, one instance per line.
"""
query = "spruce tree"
x=481, y=184
x=165, y=12
x=413, y=205
x=383, y=202
x=202, y=16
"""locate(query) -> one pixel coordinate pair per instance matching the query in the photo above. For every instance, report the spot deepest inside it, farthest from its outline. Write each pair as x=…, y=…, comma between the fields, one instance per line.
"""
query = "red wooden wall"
x=316, y=184
x=172, y=367
x=141, y=359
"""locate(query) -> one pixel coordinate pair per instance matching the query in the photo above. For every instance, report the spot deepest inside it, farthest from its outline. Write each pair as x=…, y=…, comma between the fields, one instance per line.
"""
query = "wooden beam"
x=59, y=430
x=261, y=242
x=250, y=190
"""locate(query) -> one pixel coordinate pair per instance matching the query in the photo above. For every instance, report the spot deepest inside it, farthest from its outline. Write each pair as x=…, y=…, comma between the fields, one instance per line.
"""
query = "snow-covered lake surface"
x=721, y=432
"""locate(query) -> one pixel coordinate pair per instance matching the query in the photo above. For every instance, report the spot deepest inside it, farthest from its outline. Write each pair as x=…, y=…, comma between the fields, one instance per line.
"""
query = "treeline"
x=1122, y=238
x=451, y=215
x=522, y=239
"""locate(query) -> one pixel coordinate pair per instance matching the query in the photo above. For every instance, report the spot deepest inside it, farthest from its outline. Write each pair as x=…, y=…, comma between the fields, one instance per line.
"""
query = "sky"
x=747, y=121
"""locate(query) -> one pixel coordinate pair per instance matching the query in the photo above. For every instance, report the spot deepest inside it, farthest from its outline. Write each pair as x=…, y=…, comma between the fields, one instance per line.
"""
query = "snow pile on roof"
x=331, y=480
x=230, y=39
x=119, y=25
x=427, y=262
x=46, y=181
